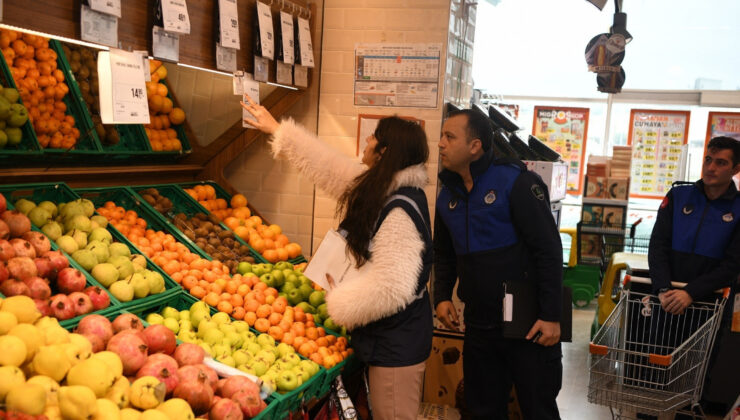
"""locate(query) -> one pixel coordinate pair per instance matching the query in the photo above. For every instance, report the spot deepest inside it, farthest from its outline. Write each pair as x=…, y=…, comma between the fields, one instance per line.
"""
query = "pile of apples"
x=83, y=235
x=163, y=113
x=41, y=86
x=28, y=267
x=12, y=116
x=269, y=241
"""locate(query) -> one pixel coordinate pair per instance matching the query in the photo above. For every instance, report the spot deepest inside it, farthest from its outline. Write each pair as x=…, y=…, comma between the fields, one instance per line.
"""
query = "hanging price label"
x=252, y=89
x=304, y=39
x=165, y=45
x=267, y=37
x=300, y=76
x=284, y=73
x=228, y=19
x=260, y=69
x=286, y=29
x=111, y=7
x=98, y=27
x=238, y=82
x=225, y=58
x=122, y=90
x=175, y=16
x=145, y=64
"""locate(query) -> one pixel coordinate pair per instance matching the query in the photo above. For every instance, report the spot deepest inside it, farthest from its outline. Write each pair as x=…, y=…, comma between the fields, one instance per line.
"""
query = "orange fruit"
x=177, y=116
x=250, y=318
x=276, y=332
x=225, y=306
x=293, y=249
x=161, y=89
x=264, y=311
x=262, y=325
x=155, y=104
x=238, y=200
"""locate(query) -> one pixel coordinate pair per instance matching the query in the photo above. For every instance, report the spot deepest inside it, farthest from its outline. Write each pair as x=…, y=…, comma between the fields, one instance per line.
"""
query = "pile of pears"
x=12, y=116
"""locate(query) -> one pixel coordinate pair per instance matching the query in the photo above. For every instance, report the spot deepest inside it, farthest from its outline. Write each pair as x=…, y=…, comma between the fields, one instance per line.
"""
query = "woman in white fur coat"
x=386, y=220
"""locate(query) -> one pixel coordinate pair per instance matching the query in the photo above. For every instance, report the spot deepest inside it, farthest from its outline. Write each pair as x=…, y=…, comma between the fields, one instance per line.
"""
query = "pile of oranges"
x=269, y=241
x=41, y=86
x=163, y=113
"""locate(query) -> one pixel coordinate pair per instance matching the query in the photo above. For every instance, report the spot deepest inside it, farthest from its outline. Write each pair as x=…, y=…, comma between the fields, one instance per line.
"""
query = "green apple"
x=287, y=381
x=252, y=347
x=323, y=311
x=329, y=324
x=11, y=95
x=265, y=340
x=170, y=312
x=172, y=324
x=225, y=328
x=316, y=298
x=246, y=369
x=185, y=315
x=80, y=236
x=221, y=350
x=268, y=279
x=221, y=318
x=185, y=325
x=244, y=268
x=39, y=216
x=306, y=290
x=3, y=137
x=279, y=277
x=227, y=360
x=207, y=348
x=310, y=366
x=102, y=235
x=122, y=290
x=290, y=359
x=155, y=319
x=266, y=355
x=4, y=108
x=85, y=258
x=213, y=336
x=301, y=372
x=18, y=115
x=282, y=265
x=259, y=366
x=186, y=336
x=269, y=383
x=306, y=307
x=68, y=244
x=53, y=230
x=258, y=269
x=15, y=135
x=204, y=326
x=284, y=349
x=196, y=316
x=106, y=273
x=24, y=206
x=249, y=336
x=294, y=296
x=241, y=357
x=240, y=326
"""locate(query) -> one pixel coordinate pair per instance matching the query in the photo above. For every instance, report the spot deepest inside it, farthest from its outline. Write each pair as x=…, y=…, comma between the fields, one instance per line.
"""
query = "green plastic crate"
x=184, y=203
x=29, y=148
x=292, y=401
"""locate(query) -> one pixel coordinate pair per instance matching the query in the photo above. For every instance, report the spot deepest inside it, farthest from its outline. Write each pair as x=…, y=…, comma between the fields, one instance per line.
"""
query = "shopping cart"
x=645, y=360
x=622, y=240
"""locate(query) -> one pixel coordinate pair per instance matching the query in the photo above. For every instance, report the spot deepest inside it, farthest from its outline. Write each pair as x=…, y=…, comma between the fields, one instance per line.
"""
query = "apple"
x=287, y=381
x=244, y=268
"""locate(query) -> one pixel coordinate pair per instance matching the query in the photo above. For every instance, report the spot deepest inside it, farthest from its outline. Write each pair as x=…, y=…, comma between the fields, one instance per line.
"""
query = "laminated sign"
x=175, y=16
x=228, y=19
x=122, y=90
x=265, y=33
x=98, y=27
x=110, y=7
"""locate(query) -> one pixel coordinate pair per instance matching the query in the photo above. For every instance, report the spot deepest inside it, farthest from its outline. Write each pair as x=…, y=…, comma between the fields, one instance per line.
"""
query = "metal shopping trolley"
x=647, y=361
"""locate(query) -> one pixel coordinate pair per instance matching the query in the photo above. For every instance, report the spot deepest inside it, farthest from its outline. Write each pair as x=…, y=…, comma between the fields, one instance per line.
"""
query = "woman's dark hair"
x=401, y=143
x=724, y=142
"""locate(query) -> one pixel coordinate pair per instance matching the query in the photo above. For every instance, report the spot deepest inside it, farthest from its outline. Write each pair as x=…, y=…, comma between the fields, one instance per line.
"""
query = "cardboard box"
x=554, y=174
x=444, y=370
x=617, y=188
x=596, y=187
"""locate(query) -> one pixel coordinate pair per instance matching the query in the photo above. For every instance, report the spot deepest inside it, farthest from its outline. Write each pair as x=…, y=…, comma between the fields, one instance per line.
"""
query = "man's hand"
x=544, y=333
x=447, y=313
x=675, y=301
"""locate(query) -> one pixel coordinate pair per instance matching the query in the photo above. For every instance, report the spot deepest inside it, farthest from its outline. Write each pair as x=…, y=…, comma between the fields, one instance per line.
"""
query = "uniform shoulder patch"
x=538, y=192
x=664, y=203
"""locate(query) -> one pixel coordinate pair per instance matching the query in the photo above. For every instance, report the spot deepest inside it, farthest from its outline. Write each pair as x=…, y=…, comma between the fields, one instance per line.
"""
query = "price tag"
x=286, y=29
x=267, y=37
x=284, y=73
x=145, y=64
x=228, y=19
x=238, y=82
x=260, y=69
x=98, y=27
x=165, y=45
x=252, y=89
x=175, y=16
x=122, y=90
x=304, y=39
x=225, y=58
x=300, y=76
x=111, y=7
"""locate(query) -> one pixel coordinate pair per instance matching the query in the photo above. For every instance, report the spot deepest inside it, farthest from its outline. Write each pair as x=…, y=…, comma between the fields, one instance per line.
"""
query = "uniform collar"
x=730, y=194
x=454, y=181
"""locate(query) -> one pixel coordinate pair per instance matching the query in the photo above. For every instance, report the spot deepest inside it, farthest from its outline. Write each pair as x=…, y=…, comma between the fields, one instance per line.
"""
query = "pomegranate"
x=82, y=303
x=23, y=248
x=38, y=288
x=197, y=392
x=58, y=260
x=13, y=287
x=160, y=339
x=17, y=222
x=4, y=274
x=98, y=296
x=137, y=333
x=3, y=204
x=189, y=354
x=235, y=383
x=162, y=369
x=71, y=280
x=97, y=343
x=6, y=250
x=62, y=307
x=250, y=403
x=220, y=387
x=168, y=361
x=131, y=349
x=21, y=268
x=97, y=325
x=43, y=307
x=127, y=322
x=211, y=374
x=225, y=409
x=4, y=230
x=45, y=268
x=39, y=241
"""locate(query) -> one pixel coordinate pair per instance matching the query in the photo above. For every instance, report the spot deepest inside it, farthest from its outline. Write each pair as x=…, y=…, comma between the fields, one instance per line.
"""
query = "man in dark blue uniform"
x=493, y=225
x=696, y=238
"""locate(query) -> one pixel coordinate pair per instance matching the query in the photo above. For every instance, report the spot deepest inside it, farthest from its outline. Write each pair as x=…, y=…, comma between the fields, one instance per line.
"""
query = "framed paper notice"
x=565, y=131
x=658, y=139
x=723, y=124
x=366, y=125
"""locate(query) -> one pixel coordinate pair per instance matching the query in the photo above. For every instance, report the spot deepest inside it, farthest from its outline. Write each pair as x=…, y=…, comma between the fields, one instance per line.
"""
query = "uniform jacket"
x=696, y=241
x=502, y=230
x=400, y=258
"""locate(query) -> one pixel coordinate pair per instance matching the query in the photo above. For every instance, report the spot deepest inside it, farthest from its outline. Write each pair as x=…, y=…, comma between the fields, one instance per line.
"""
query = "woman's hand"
x=265, y=122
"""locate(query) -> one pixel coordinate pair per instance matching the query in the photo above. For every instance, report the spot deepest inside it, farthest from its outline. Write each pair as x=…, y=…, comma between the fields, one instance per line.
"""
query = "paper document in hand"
x=333, y=258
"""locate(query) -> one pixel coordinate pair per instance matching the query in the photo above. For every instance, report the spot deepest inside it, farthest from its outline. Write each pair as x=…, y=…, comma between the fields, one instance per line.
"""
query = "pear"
x=122, y=290
x=155, y=280
x=140, y=285
x=92, y=373
x=77, y=402
x=119, y=249
x=27, y=398
x=100, y=220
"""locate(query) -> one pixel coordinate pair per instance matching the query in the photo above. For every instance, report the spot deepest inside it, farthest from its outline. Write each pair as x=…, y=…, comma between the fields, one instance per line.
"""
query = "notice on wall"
x=723, y=124
x=658, y=152
x=565, y=131
x=397, y=75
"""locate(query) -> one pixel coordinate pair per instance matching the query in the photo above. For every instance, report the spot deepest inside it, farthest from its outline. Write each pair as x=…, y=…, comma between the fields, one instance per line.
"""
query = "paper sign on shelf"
x=260, y=69
x=145, y=64
x=286, y=29
x=228, y=18
x=250, y=88
x=165, y=45
x=225, y=58
x=300, y=76
x=284, y=73
x=175, y=16
x=267, y=37
x=111, y=7
x=122, y=90
x=238, y=82
x=304, y=39
x=98, y=27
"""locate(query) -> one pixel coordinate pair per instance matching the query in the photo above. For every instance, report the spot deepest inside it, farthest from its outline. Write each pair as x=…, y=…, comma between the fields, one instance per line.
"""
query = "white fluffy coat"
x=389, y=283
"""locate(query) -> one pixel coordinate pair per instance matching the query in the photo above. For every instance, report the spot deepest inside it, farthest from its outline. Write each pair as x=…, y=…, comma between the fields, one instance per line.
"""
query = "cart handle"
x=725, y=291
x=598, y=349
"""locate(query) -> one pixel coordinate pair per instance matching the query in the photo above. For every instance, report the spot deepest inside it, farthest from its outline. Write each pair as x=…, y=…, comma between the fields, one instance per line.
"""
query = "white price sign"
x=238, y=82
x=228, y=19
x=98, y=27
x=111, y=7
x=165, y=45
x=225, y=58
x=300, y=76
x=260, y=69
x=304, y=38
x=175, y=16
x=122, y=89
x=284, y=73
x=252, y=89
x=267, y=37
x=286, y=29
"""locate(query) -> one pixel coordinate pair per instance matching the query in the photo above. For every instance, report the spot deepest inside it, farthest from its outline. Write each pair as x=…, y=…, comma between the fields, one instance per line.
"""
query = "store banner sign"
x=723, y=124
x=110, y=7
x=658, y=140
x=565, y=130
x=228, y=19
x=122, y=89
x=98, y=27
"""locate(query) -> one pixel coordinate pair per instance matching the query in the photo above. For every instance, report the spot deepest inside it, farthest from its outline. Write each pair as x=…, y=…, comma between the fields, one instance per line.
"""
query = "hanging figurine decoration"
x=605, y=53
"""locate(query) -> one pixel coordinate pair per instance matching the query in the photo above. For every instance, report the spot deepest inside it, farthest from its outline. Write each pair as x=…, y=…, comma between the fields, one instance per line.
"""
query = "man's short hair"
x=478, y=127
x=723, y=143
